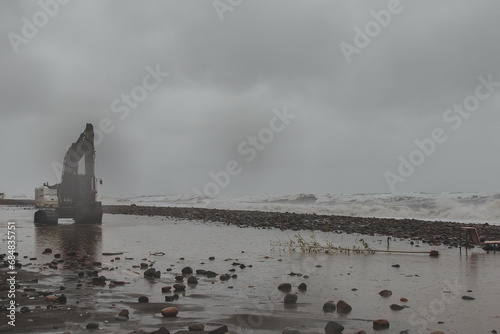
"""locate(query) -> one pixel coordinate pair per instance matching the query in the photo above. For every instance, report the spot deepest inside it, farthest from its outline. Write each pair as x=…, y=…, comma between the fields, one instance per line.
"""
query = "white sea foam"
x=463, y=207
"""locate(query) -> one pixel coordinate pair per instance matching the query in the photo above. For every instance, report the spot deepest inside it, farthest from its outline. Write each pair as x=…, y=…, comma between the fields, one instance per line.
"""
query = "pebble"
x=403, y=299
x=437, y=332
x=303, y=287
x=433, y=253
x=211, y=274
x=380, y=324
x=187, y=270
x=162, y=330
x=143, y=299
x=343, y=307
x=192, y=280
x=196, y=328
x=468, y=298
x=152, y=272
x=169, y=312
x=385, y=293
x=25, y=309
x=92, y=325
x=396, y=307
x=171, y=298
x=179, y=287
x=290, y=330
x=221, y=330
x=333, y=327
x=290, y=298
x=124, y=313
x=329, y=306
x=285, y=287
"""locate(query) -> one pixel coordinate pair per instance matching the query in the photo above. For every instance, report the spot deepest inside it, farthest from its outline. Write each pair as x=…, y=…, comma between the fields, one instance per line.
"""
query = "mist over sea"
x=461, y=207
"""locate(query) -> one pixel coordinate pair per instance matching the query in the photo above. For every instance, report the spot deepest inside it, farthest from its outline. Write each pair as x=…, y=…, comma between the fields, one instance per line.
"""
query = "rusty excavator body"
x=76, y=196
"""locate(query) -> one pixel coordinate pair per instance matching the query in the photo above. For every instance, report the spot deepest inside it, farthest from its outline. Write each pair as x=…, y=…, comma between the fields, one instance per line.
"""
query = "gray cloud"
x=353, y=120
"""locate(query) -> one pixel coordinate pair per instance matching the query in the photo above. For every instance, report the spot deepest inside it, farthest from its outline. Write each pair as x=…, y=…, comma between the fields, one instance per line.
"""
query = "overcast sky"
x=355, y=83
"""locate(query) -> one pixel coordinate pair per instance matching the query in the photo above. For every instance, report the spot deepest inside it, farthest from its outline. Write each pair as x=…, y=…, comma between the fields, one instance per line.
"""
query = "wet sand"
x=250, y=303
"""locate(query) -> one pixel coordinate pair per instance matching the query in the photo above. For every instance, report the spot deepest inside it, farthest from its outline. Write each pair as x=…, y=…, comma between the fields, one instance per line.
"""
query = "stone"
x=343, y=307
x=115, y=282
x=169, y=312
x=224, y=277
x=143, y=299
x=124, y=313
x=192, y=280
x=152, y=272
x=329, y=306
x=333, y=327
x=25, y=309
x=171, y=298
x=361, y=332
x=101, y=280
x=162, y=330
x=211, y=274
x=290, y=330
x=47, y=251
x=51, y=299
x=380, y=324
x=437, y=332
x=92, y=325
x=187, y=270
x=468, y=298
x=403, y=299
x=395, y=266
x=196, y=328
x=166, y=289
x=179, y=278
x=385, y=293
x=396, y=307
x=179, y=287
x=285, y=287
x=433, y=253
x=221, y=330
x=302, y=287
x=290, y=298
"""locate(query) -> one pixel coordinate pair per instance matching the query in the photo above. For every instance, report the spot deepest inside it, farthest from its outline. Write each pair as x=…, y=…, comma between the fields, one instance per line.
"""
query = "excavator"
x=75, y=197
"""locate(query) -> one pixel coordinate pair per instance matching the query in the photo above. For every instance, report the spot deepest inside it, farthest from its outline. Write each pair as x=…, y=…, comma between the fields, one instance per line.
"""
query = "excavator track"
x=46, y=217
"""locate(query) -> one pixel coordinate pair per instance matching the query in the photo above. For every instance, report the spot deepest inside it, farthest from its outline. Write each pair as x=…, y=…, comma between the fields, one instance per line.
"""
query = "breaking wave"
x=464, y=207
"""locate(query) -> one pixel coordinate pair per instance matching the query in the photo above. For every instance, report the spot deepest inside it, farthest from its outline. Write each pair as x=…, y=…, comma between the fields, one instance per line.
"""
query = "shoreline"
x=427, y=231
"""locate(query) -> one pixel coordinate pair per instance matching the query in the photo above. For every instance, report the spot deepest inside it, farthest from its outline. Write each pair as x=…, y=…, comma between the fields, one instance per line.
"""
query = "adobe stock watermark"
x=454, y=118
x=363, y=37
x=30, y=27
x=249, y=149
x=222, y=7
x=437, y=306
x=121, y=106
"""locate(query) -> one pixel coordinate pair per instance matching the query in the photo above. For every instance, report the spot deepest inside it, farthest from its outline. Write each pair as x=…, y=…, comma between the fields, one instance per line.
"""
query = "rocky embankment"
x=433, y=232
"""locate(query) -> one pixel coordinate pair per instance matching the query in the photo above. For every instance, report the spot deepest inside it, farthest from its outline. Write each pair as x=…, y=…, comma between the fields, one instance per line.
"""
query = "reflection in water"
x=83, y=239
